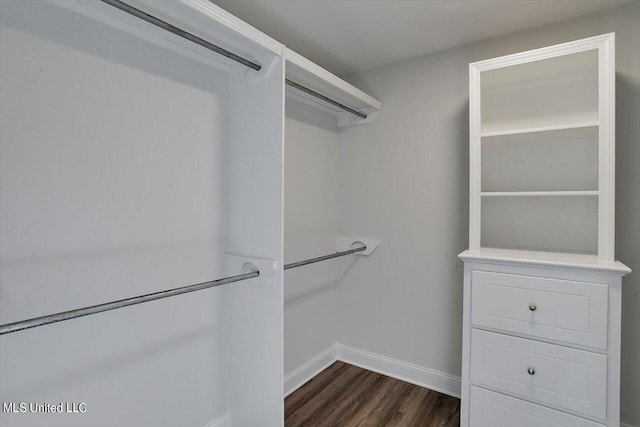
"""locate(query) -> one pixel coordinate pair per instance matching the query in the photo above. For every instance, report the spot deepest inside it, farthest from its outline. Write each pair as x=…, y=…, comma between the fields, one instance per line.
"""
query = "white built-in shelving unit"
x=542, y=151
x=541, y=335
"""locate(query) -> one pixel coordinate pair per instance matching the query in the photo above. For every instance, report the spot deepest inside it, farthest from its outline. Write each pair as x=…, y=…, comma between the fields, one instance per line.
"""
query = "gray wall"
x=311, y=223
x=405, y=179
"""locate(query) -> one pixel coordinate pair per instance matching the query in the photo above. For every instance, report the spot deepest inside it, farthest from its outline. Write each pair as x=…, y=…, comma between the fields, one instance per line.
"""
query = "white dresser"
x=542, y=289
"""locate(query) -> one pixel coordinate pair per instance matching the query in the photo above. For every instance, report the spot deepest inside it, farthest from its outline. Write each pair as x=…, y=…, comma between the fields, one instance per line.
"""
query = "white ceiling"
x=344, y=36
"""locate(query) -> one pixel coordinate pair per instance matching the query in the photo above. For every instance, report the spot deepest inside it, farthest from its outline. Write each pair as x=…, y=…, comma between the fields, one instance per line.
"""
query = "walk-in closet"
x=262, y=213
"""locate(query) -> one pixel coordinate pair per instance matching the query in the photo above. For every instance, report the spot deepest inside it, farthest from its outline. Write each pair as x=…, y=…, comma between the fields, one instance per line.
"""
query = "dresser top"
x=545, y=259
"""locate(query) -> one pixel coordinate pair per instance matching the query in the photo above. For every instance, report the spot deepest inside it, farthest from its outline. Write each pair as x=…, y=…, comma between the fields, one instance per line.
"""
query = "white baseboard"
x=414, y=374
x=310, y=369
x=222, y=421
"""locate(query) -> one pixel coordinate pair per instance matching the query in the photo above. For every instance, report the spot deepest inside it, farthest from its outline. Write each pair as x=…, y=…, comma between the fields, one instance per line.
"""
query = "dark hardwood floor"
x=345, y=395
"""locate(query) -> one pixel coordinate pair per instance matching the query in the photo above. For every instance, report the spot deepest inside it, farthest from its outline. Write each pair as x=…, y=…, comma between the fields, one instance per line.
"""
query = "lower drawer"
x=563, y=377
x=489, y=409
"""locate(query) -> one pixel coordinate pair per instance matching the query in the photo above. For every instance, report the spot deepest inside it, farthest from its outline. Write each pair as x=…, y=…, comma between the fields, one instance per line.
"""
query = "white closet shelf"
x=537, y=193
x=214, y=26
x=306, y=73
x=540, y=129
x=200, y=18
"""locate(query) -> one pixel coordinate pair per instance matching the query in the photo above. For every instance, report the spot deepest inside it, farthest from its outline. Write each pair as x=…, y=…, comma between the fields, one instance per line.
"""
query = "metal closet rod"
x=324, y=257
x=79, y=312
x=181, y=33
x=99, y=308
x=217, y=49
x=324, y=98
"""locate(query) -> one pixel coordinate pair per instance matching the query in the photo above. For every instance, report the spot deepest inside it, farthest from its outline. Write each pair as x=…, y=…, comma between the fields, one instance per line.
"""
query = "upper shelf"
x=555, y=68
x=200, y=30
x=549, y=92
x=199, y=18
x=302, y=71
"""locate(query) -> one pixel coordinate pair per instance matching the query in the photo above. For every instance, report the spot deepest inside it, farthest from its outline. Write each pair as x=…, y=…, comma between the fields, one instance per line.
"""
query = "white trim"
x=303, y=373
x=222, y=421
x=475, y=176
x=394, y=368
x=607, y=144
x=414, y=374
x=543, y=53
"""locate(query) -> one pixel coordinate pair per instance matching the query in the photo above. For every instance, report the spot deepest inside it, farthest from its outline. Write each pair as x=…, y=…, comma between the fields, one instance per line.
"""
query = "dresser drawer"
x=489, y=409
x=563, y=310
x=563, y=377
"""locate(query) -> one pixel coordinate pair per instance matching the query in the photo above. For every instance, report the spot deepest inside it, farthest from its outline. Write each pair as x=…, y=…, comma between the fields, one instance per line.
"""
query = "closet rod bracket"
x=247, y=263
x=346, y=243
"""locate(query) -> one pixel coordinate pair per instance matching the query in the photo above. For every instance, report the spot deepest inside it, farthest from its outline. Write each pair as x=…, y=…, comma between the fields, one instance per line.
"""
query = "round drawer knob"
x=531, y=371
x=533, y=307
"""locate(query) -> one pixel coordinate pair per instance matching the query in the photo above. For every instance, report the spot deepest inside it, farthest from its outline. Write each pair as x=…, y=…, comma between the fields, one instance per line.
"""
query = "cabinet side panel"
x=255, y=227
x=466, y=348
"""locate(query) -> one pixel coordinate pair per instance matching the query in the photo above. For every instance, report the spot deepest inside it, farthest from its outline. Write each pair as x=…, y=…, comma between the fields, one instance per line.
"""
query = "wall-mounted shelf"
x=306, y=73
x=200, y=18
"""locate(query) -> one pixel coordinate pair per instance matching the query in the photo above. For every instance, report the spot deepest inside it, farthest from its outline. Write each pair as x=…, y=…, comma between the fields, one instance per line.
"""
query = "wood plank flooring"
x=345, y=395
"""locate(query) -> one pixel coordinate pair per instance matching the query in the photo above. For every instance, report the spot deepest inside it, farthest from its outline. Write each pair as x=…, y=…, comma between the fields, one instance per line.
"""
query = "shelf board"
x=201, y=18
x=540, y=129
x=308, y=74
x=537, y=193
